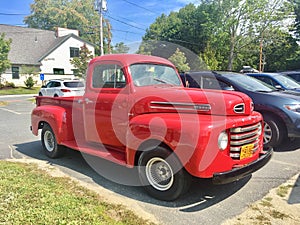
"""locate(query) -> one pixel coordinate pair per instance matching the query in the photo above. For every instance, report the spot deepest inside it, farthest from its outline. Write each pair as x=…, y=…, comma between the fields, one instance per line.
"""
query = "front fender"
x=55, y=116
x=180, y=132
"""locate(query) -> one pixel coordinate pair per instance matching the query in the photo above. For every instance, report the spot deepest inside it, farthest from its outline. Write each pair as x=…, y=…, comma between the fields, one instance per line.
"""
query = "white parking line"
x=284, y=163
x=11, y=152
x=11, y=111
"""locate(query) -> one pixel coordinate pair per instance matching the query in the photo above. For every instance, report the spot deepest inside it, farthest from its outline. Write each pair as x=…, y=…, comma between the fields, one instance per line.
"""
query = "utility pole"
x=109, y=36
x=101, y=29
x=261, y=53
x=100, y=6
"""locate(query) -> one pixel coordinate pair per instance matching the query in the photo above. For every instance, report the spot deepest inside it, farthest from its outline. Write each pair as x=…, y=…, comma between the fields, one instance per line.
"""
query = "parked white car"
x=64, y=88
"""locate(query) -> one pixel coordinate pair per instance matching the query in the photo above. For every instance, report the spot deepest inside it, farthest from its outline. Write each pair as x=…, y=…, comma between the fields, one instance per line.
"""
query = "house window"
x=15, y=72
x=58, y=71
x=74, y=52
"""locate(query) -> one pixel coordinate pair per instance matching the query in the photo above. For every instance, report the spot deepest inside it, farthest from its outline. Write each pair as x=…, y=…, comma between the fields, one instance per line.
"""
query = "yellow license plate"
x=246, y=151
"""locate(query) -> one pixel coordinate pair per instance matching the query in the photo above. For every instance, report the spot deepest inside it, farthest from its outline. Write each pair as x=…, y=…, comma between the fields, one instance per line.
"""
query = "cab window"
x=108, y=76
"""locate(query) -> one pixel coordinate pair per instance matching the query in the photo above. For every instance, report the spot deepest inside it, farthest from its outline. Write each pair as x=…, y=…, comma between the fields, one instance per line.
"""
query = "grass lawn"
x=31, y=196
x=19, y=91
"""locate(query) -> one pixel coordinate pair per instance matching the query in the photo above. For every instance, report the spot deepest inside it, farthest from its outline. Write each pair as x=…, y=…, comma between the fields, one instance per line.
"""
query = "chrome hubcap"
x=267, y=133
x=159, y=174
x=49, y=141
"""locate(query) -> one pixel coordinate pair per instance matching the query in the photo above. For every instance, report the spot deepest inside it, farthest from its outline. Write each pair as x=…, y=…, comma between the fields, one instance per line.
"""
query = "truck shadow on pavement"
x=289, y=145
x=125, y=182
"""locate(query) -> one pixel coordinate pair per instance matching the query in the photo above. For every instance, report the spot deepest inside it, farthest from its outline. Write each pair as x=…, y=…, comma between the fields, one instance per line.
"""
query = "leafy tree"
x=230, y=31
x=72, y=14
x=81, y=63
x=184, y=28
x=29, y=82
x=296, y=4
x=29, y=72
x=210, y=58
x=179, y=60
x=281, y=53
x=241, y=22
x=120, y=48
x=4, y=50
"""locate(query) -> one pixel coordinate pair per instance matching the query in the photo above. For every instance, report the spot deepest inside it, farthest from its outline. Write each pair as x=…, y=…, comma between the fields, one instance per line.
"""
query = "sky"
x=129, y=18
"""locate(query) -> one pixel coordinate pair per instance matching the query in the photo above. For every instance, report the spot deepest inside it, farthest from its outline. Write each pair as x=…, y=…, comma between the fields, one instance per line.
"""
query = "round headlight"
x=223, y=140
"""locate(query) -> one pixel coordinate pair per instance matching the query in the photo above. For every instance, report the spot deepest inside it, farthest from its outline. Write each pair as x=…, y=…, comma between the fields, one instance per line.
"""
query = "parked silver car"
x=65, y=88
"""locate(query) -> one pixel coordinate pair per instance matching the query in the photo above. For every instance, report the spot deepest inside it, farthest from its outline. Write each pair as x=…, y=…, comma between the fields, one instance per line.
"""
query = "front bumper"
x=238, y=173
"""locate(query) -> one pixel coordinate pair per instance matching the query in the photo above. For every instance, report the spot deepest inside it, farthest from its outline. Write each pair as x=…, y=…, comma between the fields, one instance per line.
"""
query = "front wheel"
x=50, y=146
x=274, y=131
x=162, y=175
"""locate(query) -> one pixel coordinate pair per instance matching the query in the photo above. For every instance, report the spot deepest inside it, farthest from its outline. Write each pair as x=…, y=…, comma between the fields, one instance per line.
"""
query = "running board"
x=105, y=152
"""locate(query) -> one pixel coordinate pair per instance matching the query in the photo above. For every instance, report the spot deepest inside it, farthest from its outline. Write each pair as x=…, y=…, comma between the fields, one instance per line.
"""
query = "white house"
x=48, y=51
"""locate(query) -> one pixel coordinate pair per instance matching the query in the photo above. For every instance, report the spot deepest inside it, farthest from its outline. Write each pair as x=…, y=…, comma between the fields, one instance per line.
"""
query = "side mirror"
x=228, y=88
x=278, y=87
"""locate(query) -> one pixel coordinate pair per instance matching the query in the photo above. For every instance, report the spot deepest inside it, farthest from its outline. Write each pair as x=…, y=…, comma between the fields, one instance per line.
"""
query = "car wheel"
x=56, y=95
x=40, y=94
x=274, y=131
x=162, y=175
x=49, y=143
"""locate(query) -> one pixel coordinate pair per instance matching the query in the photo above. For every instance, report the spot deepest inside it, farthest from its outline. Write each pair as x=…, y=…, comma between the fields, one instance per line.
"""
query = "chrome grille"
x=241, y=136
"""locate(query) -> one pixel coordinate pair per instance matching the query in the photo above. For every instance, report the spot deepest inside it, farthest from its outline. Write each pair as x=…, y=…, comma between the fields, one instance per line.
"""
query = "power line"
x=120, y=21
x=18, y=24
x=123, y=18
x=141, y=7
x=12, y=14
x=126, y=31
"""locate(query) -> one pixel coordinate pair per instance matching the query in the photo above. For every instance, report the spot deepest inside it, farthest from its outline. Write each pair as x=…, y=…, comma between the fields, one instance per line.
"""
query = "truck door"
x=106, y=105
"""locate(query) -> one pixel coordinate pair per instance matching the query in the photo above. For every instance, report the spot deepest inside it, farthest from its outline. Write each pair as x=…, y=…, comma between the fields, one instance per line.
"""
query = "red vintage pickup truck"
x=135, y=112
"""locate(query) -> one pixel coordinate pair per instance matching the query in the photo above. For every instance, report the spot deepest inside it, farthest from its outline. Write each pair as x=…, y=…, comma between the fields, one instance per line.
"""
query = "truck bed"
x=73, y=108
x=59, y=101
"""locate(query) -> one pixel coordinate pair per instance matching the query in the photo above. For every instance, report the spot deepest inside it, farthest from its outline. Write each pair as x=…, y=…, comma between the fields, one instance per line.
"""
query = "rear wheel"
x=161, y=174
x=50, y=146
x=274, y=131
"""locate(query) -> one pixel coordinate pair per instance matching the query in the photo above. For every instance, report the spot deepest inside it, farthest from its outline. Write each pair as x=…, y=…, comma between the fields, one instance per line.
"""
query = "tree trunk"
x=231, y=53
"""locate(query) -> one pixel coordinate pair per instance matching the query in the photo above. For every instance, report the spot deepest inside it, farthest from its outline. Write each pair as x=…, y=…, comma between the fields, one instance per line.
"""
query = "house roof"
x=60, y=41
x=29, y=46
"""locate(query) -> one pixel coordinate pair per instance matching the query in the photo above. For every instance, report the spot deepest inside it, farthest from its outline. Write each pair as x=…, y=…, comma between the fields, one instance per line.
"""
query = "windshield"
x=152, y=74
x=249, y=83
x=287, y=82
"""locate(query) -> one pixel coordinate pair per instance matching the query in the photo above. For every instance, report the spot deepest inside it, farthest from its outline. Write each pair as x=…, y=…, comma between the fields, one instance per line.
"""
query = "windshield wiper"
x=162, y=81
x=264, y=91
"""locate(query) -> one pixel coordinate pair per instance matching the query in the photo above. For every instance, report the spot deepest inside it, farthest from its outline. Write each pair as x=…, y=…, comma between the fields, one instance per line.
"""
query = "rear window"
x=73, y=84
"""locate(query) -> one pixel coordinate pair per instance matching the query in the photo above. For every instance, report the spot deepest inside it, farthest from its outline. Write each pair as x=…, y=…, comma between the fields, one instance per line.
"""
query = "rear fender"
x=55, y=116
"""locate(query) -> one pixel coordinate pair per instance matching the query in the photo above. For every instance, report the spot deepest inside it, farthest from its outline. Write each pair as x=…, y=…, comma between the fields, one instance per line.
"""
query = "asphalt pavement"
x=205, y=203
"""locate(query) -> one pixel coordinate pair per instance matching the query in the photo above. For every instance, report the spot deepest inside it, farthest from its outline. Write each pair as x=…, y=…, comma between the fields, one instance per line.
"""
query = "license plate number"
x=246, y=151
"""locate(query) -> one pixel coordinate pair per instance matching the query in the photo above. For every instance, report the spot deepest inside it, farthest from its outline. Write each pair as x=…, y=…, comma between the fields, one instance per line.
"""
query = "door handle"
x=88, y=101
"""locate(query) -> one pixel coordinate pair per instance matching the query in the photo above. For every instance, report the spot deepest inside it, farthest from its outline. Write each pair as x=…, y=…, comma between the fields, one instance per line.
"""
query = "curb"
x=17, y=96
x=280, y=206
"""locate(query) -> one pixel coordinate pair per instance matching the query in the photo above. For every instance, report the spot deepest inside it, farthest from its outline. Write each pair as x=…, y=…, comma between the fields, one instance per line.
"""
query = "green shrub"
x=10, y=84
x=29, y=82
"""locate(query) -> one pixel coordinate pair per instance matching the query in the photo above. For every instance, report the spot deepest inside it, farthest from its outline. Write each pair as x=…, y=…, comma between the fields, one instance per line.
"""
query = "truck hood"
x=190, y=100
